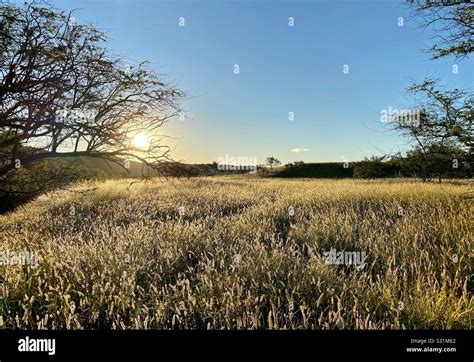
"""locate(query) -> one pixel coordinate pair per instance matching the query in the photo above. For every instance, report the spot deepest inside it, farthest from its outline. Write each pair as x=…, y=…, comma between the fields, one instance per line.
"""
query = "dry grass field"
x=241, y=253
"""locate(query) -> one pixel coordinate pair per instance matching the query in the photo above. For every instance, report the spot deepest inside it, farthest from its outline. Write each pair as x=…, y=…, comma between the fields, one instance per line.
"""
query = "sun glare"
x=141, y=141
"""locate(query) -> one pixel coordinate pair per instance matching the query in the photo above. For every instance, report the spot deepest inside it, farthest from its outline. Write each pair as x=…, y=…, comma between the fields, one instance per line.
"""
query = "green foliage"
x=316, y=170
x=376, y=169
x=437, y=162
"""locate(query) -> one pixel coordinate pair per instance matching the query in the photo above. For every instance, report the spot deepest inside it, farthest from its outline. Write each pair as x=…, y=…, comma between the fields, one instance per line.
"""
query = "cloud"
x=299, y=150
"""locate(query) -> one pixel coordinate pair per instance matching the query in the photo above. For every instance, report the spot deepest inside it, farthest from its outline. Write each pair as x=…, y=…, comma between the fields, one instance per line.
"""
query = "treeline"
x=431, y=164
x=368, y=169
x=427, y=166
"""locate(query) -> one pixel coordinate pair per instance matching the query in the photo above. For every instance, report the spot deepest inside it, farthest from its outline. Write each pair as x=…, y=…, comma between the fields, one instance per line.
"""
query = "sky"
x=283, y=71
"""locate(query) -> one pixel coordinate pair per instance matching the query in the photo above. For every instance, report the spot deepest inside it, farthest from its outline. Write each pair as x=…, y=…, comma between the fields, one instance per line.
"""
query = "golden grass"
x=234, y=257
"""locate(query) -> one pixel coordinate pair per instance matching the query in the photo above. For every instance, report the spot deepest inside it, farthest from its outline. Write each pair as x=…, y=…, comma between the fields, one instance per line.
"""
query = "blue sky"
x=283, y=69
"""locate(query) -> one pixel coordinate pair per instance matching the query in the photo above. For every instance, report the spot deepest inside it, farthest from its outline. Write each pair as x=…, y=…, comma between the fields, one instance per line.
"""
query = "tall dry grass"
x=222, y=253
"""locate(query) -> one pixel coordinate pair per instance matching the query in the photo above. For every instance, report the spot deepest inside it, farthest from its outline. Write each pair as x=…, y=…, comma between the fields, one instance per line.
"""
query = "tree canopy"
x=452, y=23
x=64, y=94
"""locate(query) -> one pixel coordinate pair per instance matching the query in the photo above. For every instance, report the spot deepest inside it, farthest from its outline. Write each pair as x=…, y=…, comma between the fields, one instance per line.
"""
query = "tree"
x=442, y=129
x=452, y=22
x=442, y=116
x=442, y=124
x=63, y=94
x=436, y=161
x=272, y=161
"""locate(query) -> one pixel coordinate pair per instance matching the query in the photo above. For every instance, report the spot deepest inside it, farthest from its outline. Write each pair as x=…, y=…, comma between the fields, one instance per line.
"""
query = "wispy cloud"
x=299, y=150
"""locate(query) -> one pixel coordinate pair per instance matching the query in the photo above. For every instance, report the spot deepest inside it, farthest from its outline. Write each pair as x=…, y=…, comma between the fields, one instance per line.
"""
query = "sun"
x=141, y=140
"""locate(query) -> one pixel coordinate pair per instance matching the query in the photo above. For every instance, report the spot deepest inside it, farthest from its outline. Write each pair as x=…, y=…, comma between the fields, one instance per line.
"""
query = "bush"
x=376, y=169
x=316, y=170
